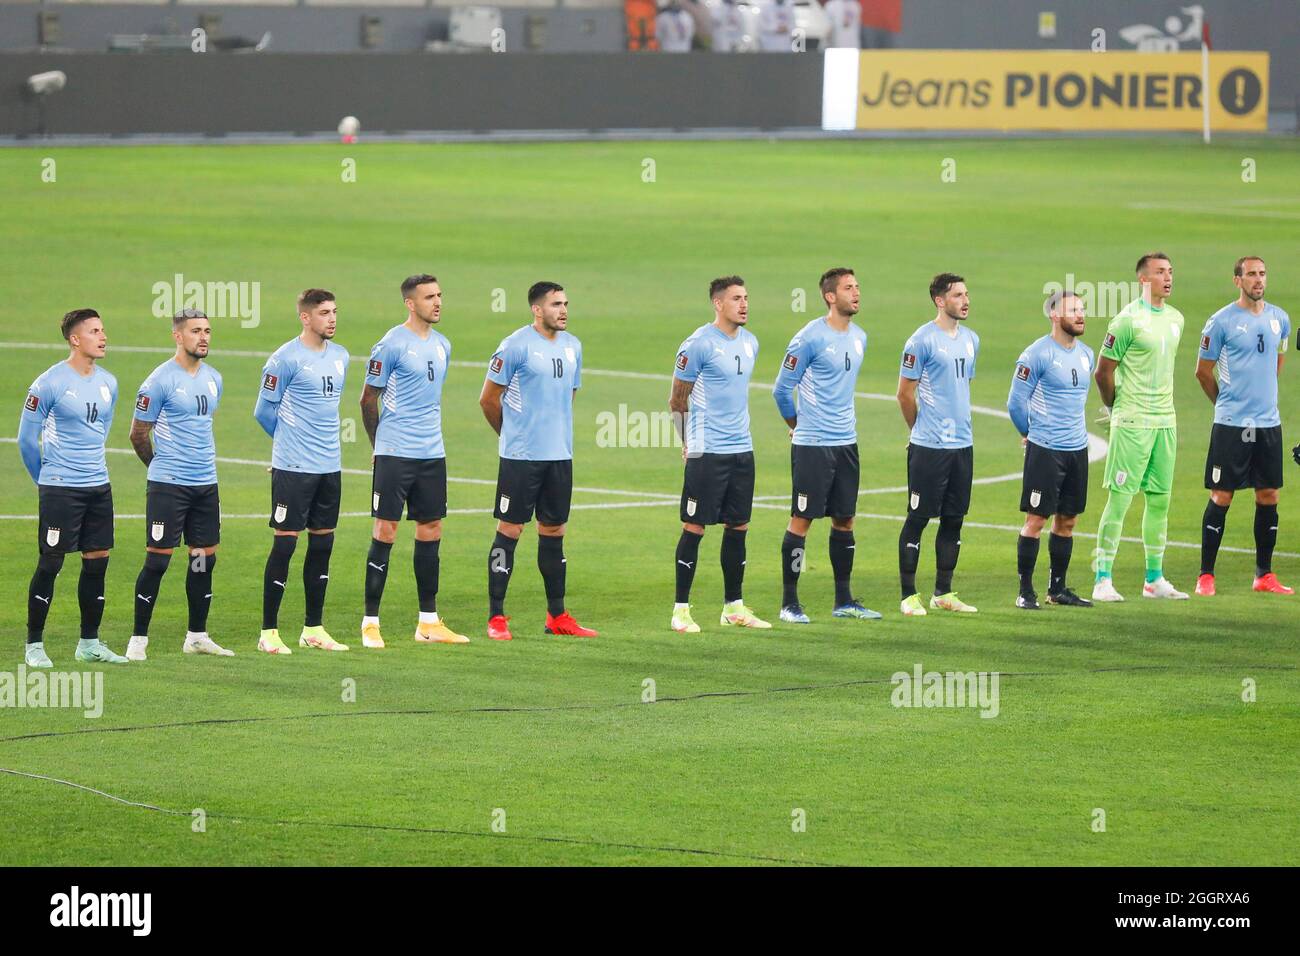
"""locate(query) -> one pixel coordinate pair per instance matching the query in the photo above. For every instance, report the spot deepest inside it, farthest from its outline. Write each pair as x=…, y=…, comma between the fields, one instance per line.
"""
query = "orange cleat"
x=498, y=629
x=565, y=624
x=1270, y=583
x=1205, y=585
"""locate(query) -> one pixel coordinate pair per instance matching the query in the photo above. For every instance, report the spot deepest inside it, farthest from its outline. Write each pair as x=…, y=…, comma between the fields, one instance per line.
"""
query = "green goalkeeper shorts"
x=1141, y=459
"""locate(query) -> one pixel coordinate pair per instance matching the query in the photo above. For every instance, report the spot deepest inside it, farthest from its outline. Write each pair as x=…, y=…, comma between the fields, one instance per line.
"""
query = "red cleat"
x=1270, y=583
x=1205, y=585
x=498, y=629
x=565, y=624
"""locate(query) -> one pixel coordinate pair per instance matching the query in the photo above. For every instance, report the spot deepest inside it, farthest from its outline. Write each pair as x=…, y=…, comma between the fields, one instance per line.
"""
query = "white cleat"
x=135, y=649
x=1161, y=588
x=1104, y=591
x=202, y=644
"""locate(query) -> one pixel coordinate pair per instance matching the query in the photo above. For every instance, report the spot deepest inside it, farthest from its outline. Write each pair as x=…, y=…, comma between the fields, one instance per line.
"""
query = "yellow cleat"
x=269, y=643
x=319, y=638
x=950, y=602
x=736, y=614
x=370, y=637
x=438, y=633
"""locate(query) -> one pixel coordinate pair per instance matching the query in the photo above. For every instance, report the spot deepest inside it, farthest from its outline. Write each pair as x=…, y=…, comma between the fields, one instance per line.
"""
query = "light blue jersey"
x=1049, y=392
x=540, y=376
x=1246, y=347
x=823, y=365
x=720, y=368
x=305, y=386
x=943, y=366
x=411, y=371
x=73, y=414
x=181, y=407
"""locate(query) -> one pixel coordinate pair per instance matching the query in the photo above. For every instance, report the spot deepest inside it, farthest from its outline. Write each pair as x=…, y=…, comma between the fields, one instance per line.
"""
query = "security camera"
x=43, y=84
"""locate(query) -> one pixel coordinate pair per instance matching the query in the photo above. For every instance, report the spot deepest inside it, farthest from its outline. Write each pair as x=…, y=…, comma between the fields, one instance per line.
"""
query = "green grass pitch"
x=1134, y=709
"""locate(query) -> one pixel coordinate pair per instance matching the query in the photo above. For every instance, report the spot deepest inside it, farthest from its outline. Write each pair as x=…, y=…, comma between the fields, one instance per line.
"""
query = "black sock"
x=1026, y=558
x=550, y=561
x=147, y=584
x=792, y=549
x=1212, y=524
x=733, y=564
x=40, y=595
x=1059, y=547
x=501, y=564
x=274, y=578
x=316, y=576
x=198, y=590
x=842, y=550
x=688, y=553
x=90, y=595
x=909, y=552
x=376, y=574
x=426, y=574
x=947, y=546
x=1265, y=538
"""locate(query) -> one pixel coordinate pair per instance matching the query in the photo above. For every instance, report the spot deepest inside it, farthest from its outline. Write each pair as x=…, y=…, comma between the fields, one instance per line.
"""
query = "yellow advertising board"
x=1058, y=90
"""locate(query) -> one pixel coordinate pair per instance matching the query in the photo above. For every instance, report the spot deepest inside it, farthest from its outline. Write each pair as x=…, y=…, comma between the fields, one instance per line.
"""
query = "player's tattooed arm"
x=679, y=404
x=490, y=401
x=370, y=411
x=141, y=439
x=907, y=399
x=1105, y=378
x=1205, y=375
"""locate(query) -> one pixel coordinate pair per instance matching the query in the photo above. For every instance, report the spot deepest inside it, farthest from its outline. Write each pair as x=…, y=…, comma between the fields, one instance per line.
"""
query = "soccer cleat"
x=1104, y=591
x=856, y=609
x=1205, y=585
x=135, y=648
x=1028, y=600
x=951, y=602
x=97, y=652
x=319, y=638
x=737, y=615
x=438, y=633
x=1270, y=584
x=683, y=623
x=794, y=614
x=202, y=644
x=1161, y=588
x=370, y=636
x=911, y=606
x=269, y=642
x=564, y=624
x=499, y=629
x=36, y=656
x=1067, y=598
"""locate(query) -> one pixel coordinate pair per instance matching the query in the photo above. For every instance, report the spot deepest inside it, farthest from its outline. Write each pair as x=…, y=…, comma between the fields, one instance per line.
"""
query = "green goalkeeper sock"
x=1109, y=531
x=1155, y=528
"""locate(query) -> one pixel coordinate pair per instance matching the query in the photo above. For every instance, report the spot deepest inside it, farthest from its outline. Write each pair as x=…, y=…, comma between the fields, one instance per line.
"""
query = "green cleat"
x=737, y=614
x=36, y=656
x=97, y=652
x=950, y=602
x=683, y=623
x=912, y=606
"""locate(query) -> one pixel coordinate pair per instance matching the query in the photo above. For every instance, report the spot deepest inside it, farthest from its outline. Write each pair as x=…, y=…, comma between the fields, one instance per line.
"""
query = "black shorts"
x=75, y=519
x=939, y=480
x=824, y=481
x=1244, y=458
x=170, y=509
x=418, y=483
x=300, y=500
x=718, y=489
x=527, y=486
x=1055, y=482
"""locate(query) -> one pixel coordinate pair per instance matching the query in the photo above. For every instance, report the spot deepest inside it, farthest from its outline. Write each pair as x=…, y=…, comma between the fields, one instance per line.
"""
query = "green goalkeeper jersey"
x=1144, y=341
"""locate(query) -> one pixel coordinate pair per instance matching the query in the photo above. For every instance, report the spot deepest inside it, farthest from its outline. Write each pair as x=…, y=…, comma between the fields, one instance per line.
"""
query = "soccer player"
x=532, y=381
x=176, y=405
x=1049, y=392
x=1246, y=340
x=822, y=362
x=407, y=368
x=934, y=395
x=61, y=436
x=298, y=406
x=710, y=406
x=1135, y=376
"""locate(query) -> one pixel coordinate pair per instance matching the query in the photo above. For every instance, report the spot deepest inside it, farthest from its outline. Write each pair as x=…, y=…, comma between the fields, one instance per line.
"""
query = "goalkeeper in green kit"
x=1135, y=375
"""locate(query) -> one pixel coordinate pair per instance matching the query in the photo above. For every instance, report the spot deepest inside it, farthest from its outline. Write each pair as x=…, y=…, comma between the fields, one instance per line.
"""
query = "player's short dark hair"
x=411, y=283
x=722, y=284
x=830, y=279
x=1238, y=268
x=941, y=283
x=311, y=298
x=184, y=315
x=1142, y=263
x=74, y=319
x=540, y=290
x=1056, y=298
